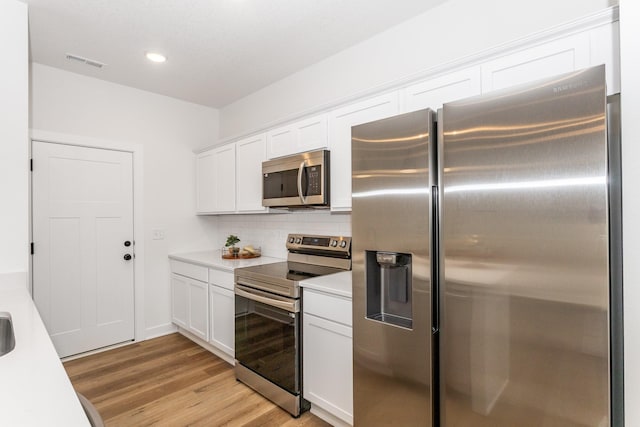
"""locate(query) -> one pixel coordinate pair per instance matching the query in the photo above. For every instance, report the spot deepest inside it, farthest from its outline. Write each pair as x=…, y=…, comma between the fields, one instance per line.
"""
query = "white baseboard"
x=158, y=331
x=221, y=354
x=328, y=417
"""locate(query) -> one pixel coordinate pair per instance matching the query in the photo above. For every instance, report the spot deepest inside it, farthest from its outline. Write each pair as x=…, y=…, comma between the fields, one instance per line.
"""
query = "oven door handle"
x=303, y=198
x=292, y=306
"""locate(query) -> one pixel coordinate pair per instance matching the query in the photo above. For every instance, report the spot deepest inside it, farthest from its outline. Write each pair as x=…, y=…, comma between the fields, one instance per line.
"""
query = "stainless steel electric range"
x=268, y=335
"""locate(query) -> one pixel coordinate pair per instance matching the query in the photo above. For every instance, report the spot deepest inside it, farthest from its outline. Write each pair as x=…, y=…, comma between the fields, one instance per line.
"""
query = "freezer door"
x=392, y=270
x=525, y=296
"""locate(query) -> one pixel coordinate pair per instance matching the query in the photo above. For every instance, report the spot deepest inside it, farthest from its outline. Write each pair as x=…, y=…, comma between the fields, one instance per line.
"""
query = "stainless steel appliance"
x=486, y=261
x=268, y=336
x=297, y=181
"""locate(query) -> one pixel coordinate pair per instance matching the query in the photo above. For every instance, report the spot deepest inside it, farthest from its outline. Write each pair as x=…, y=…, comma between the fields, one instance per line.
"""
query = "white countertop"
x=335, y=284
x=34, y=387
x=213, y=259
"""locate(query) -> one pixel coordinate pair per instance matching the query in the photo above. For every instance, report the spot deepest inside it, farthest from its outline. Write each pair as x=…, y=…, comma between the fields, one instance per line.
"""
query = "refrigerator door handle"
x=435, y=270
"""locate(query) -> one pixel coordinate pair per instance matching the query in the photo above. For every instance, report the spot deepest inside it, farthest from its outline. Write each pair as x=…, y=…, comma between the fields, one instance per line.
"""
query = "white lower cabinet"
x=190, y=305
x=189, y=298
x=327, y=356
x=221, y=311
x=203, y=304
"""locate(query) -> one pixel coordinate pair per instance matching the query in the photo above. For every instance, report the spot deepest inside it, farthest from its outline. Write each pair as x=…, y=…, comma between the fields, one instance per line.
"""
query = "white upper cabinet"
x=433, y=93
x=600, y=45
x=305, y=135
x=605, y=49
x=250, y=153
x=229, y=177
x=545, y=60
x=216, y=180
x=225, y=177
x=205, y=182
x=340, y=122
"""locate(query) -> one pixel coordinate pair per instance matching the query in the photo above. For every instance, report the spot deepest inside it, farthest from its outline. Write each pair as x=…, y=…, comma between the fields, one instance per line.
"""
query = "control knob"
x=343, y=244
x=298, y=240
x=291, y=239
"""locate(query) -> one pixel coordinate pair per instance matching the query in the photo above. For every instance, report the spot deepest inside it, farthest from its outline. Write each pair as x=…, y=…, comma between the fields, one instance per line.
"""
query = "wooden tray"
x=239, y=256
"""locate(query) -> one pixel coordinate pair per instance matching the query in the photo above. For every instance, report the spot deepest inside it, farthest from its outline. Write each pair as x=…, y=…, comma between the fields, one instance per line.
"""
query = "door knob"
x=127, y=257
x=127, y=243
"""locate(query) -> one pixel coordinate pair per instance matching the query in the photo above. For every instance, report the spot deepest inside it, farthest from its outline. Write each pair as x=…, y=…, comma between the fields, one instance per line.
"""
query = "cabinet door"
x=327, y=370
x=311, y=134
x=305, y=135
x=340, y=122
x=225, y=178
x=605, y=49
x=198, y=309
x=250, y=153
x=222, y=309
x=280, y=142
x=179, y=300
x=434, y=93
x=205, y=182
x=546, y=60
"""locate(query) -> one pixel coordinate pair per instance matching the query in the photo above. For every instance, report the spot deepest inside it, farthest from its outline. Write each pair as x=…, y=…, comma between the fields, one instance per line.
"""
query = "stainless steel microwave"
x=301, y=180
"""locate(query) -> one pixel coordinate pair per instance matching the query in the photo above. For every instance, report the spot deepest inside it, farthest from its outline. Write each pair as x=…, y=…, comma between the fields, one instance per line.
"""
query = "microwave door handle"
x=303, y=198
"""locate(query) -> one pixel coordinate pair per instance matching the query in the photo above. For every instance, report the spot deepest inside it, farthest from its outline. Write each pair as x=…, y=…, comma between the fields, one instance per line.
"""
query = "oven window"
x=266, y=342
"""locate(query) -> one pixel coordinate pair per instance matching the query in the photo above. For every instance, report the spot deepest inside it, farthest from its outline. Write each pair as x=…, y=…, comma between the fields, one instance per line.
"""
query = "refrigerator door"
x=392, y=270
x=525, y=296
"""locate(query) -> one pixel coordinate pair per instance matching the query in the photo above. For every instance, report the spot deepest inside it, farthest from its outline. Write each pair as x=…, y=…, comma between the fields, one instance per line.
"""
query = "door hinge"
x=31, y=165
x=31, y=248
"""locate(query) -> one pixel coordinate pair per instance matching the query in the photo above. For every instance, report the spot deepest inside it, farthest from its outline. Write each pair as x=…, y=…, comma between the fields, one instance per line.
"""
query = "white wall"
x=451, y=31
x=630, y=70
x=168, y=129
x=14, y=175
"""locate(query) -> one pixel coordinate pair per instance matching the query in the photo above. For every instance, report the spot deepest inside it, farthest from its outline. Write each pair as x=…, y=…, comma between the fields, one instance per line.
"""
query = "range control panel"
x=296, y=242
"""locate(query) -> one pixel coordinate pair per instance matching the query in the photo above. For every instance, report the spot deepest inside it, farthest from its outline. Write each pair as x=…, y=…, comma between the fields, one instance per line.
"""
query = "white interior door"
x=82, y=219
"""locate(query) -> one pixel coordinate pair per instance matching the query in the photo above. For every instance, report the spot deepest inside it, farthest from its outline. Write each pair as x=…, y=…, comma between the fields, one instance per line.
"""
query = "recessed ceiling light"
x=155, y=57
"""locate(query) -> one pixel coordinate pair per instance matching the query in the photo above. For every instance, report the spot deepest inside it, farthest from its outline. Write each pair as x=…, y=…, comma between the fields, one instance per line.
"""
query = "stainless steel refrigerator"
x=486, y=261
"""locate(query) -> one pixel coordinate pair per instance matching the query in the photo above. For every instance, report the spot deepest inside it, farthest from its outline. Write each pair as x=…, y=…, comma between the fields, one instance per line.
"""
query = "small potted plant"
x=231, y=244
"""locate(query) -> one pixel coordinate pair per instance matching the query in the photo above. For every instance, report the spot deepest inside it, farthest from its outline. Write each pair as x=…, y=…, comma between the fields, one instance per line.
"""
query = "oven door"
x=267, y=333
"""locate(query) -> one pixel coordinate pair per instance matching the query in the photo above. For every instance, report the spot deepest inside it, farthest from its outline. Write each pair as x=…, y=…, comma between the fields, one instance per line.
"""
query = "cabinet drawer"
x=224, y=279
x=330, y=307
x=190, y=270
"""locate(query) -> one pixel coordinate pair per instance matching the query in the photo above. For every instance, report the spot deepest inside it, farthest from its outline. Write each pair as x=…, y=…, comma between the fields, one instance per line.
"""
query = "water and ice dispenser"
x=388, y=286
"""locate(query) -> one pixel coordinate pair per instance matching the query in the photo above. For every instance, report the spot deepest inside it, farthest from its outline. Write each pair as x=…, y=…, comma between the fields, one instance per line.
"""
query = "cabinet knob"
x=127, y=257
x=127, y=243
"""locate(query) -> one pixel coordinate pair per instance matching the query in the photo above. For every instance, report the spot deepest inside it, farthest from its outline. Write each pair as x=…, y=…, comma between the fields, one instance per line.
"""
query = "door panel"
x=524, y=338
x=82, y=215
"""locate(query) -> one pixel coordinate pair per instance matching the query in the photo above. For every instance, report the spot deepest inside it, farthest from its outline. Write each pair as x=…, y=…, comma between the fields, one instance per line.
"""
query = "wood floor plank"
x=171, y=381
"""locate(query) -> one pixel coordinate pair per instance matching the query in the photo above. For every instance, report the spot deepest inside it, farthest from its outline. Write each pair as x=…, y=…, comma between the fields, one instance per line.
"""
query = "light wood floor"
x=171, y=381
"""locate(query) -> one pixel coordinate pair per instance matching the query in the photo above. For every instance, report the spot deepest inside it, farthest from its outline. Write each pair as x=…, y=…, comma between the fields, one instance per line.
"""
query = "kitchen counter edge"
x=36, y=390
x=338, y=284
x=213, y=259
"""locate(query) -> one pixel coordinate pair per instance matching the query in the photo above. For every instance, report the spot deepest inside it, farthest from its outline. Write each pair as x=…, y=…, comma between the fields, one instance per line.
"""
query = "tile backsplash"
x=269, y=231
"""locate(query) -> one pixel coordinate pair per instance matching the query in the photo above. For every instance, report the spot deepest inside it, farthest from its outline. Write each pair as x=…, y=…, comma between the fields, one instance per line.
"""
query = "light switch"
x=158, y=234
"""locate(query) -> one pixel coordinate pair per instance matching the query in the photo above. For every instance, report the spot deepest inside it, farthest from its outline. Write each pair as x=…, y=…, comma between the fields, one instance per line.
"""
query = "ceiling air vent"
x=86, y=61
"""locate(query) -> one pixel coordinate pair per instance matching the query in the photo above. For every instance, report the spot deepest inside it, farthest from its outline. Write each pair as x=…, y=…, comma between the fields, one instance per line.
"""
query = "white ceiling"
x=218, y=50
